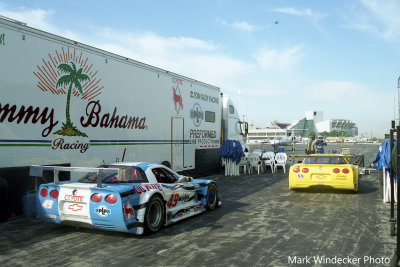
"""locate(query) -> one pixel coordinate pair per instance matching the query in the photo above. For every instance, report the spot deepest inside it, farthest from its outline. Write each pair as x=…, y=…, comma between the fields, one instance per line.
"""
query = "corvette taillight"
x=305, y=170
x=111, y=199
x=336, y=170
x=296, y=170
x=96, y=197
x=44, y=192
x=345, y=170
x=54, y=193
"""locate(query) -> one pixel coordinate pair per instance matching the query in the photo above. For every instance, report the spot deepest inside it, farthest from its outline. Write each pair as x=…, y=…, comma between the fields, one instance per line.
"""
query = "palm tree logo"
x=74, y=78
x=69, y=72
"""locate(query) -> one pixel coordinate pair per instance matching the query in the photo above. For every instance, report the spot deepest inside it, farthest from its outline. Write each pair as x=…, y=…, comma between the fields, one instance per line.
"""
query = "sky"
x=274, y=59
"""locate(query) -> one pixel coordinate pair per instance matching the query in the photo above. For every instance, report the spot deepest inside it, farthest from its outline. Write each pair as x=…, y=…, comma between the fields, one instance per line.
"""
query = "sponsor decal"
x=103, y=211
x=171, y=187
x=177, y=96
x=129, y=212
x=74, y=198
x=48, y=204
x=202, y=133
x=61, y=144
x=78, y=216
x=198, y=208
x=51, y=216
x=204, y=97
x=75, y=207
x=67, y=73
x=95, y=118
x=204, y=138
x=45, y=116
x=196, y=114
x=185, y=198
x=139, y=189
x=181, y=213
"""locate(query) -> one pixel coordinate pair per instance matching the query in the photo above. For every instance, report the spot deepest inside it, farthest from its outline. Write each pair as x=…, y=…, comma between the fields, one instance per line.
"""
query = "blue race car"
x=126, y=197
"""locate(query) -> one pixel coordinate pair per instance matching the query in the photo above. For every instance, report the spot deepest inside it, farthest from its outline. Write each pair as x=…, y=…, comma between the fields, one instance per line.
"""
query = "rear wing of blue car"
x=37, y=171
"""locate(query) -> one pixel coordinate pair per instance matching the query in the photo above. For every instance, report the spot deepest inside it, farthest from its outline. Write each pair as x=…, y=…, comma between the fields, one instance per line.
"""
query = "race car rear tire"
x=155, y=215
x=212, y=196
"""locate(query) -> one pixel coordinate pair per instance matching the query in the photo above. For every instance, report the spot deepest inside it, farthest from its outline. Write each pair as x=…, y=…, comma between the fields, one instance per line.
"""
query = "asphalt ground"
x=260, y=223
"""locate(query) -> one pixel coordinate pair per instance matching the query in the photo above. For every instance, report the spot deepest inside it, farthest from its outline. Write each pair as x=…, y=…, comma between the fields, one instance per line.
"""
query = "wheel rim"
x=211, y=197
x=155, y=214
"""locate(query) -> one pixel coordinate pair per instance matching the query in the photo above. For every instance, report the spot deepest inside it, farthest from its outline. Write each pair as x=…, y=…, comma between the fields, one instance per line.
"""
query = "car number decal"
x=173, y=200
x=48, y=204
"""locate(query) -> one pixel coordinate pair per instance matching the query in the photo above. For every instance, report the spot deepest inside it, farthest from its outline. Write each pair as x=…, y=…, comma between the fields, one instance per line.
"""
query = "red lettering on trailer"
x=177, y=81
x=23, y=114
x=96, y=119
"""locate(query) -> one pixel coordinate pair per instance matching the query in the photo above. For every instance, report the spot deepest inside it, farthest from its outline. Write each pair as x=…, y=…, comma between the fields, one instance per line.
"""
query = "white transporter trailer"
x=66, y=103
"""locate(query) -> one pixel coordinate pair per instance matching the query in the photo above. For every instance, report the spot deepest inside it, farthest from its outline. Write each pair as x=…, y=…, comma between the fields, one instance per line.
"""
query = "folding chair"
x=280, y=160
x=269, y=159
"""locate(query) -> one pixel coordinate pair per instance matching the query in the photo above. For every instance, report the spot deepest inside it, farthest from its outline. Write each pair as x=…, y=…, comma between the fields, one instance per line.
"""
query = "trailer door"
x=177, y=143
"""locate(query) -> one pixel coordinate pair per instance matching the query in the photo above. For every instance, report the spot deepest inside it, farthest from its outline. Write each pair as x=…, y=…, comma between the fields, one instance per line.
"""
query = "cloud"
x=273, y=59
x=267, y=86
x=305, y=12
x=241, y=25
x=379, y=19
x=354, y=101
x=313, y=17
x=36, y=18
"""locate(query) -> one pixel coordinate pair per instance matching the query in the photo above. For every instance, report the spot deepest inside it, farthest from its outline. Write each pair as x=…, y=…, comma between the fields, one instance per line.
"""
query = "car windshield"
x=324, y=161
x=126, y=174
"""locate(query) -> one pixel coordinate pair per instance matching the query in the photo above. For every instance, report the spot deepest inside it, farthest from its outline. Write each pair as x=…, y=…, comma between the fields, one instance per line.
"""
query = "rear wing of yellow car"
x=349, y=159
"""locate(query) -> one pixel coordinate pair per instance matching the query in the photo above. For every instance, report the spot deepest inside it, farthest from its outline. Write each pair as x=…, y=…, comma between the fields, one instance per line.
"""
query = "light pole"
x=398, y=97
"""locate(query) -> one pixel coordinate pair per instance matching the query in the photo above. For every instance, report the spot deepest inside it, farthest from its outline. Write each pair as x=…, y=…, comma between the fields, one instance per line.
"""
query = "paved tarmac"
x=261, y=223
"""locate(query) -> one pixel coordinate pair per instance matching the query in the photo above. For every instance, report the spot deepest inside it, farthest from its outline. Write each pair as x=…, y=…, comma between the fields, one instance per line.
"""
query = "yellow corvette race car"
x=324, y=170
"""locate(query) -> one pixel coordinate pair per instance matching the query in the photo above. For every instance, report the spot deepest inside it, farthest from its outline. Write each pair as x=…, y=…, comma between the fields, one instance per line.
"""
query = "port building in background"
x=266, y=134
x=312, y=123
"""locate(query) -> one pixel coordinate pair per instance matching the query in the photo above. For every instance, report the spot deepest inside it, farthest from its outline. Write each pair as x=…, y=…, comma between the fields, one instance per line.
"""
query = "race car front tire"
x=212, y=196
x=155, y=215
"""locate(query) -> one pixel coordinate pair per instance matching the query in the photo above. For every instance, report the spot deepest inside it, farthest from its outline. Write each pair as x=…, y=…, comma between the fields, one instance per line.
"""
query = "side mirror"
x=185, y=179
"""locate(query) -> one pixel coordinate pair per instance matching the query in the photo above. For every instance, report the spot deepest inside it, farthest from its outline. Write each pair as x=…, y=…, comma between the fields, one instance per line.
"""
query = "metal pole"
x=392, y=219
x=398, y=96
x=398, y=195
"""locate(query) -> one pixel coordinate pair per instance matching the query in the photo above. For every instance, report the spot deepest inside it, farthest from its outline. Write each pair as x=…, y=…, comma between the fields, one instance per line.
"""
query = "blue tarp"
x=382, y=159
x=232, y=149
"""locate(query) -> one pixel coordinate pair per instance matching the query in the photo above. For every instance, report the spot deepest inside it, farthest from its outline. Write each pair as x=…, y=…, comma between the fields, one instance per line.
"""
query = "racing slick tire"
x=212, y=196
x=155, y=215
x=356, y=190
